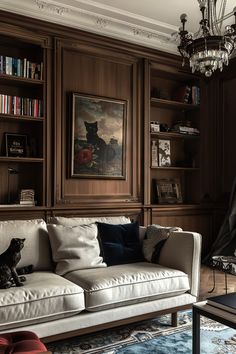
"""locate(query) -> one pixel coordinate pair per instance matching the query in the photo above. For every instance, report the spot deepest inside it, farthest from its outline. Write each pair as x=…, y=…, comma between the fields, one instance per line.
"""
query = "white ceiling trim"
x=114, y=23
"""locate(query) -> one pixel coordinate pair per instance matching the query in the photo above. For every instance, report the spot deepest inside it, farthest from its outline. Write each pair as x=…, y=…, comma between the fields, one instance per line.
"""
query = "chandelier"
x=208, y=49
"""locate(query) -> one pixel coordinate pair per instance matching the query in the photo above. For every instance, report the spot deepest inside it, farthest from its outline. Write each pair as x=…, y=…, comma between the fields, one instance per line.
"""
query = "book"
x=182, y=94
x=225, y=302
x=154, y=154
x=164, y=152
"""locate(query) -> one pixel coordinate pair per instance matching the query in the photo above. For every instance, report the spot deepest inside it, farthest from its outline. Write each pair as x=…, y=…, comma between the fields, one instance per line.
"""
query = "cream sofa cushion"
x=74, y=221
x=36, y=249
x=128, y=283
x=45, y=296
x=75, y=247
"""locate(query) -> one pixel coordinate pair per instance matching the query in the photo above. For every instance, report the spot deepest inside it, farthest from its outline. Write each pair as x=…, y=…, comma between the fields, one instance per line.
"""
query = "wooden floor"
x=206, y=283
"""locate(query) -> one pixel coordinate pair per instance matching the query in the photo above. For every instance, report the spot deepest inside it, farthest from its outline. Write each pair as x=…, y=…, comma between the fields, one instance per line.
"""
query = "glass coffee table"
x=203, y=309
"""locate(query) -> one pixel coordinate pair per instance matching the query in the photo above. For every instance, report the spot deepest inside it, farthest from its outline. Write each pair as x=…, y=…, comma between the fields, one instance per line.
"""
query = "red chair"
x=23, y=342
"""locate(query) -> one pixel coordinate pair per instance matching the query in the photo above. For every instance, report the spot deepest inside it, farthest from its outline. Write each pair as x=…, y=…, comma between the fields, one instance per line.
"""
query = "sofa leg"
x=174, y=319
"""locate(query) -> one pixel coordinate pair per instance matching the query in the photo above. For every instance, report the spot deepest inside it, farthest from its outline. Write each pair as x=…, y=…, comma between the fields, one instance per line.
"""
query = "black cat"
x=92, y=138
x=104, y=152
x=8, y=262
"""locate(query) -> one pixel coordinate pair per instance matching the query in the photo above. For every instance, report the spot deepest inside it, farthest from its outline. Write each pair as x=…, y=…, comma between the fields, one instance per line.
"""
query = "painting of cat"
x=98, y=137
x=8, y=261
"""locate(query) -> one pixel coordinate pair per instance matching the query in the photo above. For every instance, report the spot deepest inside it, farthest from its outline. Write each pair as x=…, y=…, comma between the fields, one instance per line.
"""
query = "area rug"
x=152, y=337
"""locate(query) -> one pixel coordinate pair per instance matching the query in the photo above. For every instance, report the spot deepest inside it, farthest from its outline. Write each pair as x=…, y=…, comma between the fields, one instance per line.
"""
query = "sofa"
x=73, y=291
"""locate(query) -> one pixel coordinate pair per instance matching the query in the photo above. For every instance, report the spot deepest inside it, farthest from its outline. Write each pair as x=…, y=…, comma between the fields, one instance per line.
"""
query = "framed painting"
x=16, y=145
x=164, y=153
x=98, y=137
x=168, y=191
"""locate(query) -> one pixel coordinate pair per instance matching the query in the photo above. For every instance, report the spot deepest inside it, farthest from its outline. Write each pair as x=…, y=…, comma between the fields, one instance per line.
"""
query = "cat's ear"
x=23, y=239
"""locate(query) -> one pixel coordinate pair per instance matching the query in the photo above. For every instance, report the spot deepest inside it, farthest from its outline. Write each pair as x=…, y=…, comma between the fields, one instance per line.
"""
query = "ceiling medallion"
x=209, y=49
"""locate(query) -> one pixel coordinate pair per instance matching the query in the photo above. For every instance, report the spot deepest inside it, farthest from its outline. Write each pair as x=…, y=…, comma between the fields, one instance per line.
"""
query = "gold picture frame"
x=168, y=191
x=98, y=137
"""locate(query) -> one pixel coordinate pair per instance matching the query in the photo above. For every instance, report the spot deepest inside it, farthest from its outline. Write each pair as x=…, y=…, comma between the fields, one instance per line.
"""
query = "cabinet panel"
x=227, y=162
x=188, y=221
x=104, y=76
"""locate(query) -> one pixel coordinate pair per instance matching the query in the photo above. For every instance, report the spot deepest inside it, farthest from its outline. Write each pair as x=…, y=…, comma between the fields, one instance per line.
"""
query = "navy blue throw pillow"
x=120, y=244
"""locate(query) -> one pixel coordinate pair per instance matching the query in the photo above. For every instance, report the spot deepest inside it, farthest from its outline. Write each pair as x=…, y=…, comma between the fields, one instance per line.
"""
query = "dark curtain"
x=225, y=243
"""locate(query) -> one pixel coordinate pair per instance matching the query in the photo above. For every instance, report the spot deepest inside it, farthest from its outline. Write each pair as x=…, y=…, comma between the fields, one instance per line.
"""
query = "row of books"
x=21, y=67
x=21, y=106
x=187, y=94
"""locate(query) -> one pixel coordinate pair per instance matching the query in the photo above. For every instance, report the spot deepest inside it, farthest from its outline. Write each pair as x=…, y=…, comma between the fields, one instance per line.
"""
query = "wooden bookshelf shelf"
x=12, y=80
x=176, y=168
x=168, y=104
x=174, y=135
x=21, y=159
x=13, y=117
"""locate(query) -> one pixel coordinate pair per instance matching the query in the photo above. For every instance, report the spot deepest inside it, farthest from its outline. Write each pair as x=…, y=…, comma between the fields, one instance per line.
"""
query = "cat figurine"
x=8, y=261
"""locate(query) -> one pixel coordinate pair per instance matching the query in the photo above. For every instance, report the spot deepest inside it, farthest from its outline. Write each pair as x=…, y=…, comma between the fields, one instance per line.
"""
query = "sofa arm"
x=182, y=251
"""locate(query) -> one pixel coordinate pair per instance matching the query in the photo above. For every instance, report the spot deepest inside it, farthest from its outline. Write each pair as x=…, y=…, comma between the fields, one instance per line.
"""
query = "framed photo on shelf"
x=168, y=191
x=98, y=137
x=164, y=153
x=16, y=145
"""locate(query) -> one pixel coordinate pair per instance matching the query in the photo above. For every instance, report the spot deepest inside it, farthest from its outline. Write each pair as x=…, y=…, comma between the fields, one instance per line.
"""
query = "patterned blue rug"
x=152, y=337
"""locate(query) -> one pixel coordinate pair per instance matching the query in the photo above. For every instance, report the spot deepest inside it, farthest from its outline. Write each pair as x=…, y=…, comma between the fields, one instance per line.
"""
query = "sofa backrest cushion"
x=75, y=247
x=75, y=221
x=120, y=244
x=36, y=249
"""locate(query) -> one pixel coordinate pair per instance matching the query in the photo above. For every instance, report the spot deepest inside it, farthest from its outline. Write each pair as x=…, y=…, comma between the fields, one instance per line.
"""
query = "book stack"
x=21, y=67
x=195, y=95
x=21, y=106
x=27, y=197
x=224, y=302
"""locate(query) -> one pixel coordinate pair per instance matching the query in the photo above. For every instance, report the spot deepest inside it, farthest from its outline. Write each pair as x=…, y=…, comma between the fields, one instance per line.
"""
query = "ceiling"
x=151, y=23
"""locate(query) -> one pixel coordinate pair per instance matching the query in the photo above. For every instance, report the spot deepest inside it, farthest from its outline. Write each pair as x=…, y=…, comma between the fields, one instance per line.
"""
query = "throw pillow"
x=75, y=221
x=155, y=239
x=75, y=248
x=120, y=244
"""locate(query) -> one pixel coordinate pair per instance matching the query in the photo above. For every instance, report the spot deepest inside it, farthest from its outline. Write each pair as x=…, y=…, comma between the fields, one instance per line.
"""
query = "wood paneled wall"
x=88, y=63
x=97, y=72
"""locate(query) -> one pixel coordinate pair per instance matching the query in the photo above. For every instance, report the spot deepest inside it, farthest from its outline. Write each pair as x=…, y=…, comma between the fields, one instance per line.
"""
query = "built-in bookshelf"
x=174, y=137
x=22, y=118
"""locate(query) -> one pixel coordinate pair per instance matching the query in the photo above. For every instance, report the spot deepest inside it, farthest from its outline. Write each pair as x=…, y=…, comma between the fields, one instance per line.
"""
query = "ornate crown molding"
x=43, y=5
x=104, y=20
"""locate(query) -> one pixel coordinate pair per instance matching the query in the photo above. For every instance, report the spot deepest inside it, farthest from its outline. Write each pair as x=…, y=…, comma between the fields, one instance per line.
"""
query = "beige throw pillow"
x=75, y=221
x=75, y=248
x=154, y=240
x=36, y=249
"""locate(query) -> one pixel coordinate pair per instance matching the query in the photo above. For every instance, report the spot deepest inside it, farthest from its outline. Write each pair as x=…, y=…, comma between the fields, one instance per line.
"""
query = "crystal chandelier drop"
x=209, y=49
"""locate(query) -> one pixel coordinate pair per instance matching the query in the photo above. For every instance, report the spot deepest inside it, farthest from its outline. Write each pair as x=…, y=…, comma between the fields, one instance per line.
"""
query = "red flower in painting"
x=85, y=156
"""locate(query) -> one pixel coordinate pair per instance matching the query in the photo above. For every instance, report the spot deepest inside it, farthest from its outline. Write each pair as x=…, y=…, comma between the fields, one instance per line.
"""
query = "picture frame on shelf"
x=98, y=137
x=168, y=191
x=15, y=145
x=164, y=153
